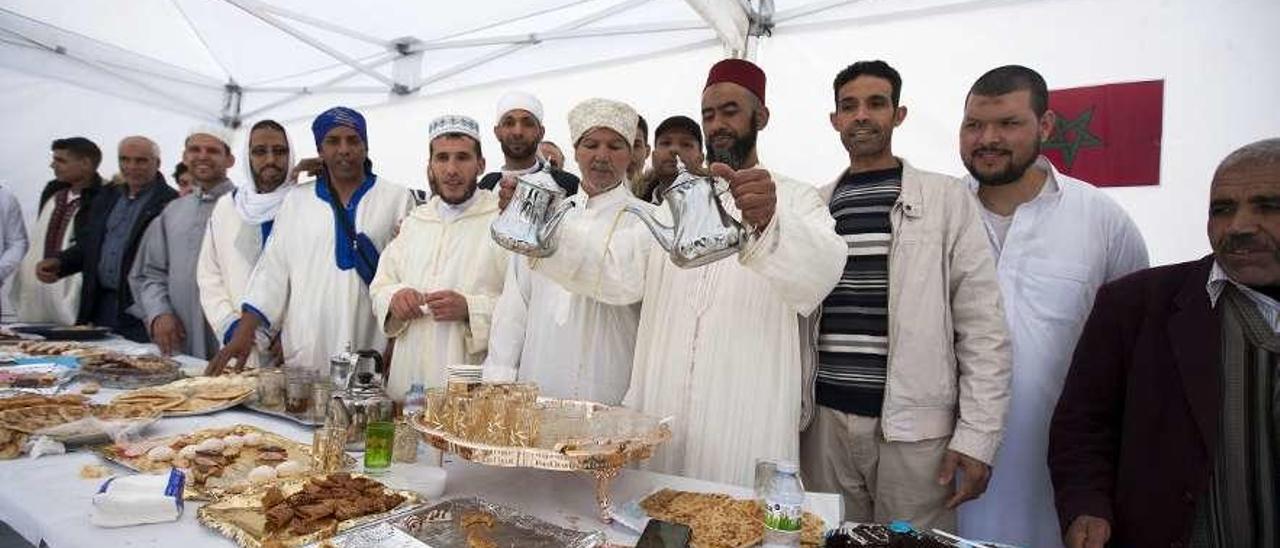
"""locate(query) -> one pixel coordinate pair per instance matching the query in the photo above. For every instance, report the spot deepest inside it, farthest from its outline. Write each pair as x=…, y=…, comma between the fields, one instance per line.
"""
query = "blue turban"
x=338, y=117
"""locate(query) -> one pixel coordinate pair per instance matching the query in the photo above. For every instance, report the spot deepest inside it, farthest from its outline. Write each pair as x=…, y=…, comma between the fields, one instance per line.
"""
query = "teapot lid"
x=346, y=356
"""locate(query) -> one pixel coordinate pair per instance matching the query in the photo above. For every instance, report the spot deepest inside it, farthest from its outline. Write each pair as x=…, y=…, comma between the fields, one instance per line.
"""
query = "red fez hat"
x=741, y=72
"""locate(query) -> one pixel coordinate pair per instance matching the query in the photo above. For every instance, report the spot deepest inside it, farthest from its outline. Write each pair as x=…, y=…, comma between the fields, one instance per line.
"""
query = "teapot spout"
x=665, y=235
x=548, y=230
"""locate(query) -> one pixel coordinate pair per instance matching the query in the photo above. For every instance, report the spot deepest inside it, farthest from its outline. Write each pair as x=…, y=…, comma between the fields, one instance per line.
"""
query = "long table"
x=45, y=500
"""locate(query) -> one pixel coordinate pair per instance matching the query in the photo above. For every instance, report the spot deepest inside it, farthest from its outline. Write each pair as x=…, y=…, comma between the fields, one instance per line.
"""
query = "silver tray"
x=253, y=405
x=511, y=528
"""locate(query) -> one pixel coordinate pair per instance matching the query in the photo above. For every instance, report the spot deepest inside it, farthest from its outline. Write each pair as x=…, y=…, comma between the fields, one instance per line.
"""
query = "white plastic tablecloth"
x=45, y=499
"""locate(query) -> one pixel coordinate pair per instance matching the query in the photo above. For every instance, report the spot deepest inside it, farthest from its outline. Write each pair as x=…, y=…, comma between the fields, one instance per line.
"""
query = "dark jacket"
x=83, y=255
x=86, y=197
x=1131, y=438
x=568, y=181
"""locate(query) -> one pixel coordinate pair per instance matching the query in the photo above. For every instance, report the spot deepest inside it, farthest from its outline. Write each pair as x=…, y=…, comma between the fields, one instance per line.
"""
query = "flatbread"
x=156, y=399
x=33, y=419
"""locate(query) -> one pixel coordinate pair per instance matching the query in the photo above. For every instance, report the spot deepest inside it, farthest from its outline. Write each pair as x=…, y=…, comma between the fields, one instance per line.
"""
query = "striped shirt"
x=853, y=336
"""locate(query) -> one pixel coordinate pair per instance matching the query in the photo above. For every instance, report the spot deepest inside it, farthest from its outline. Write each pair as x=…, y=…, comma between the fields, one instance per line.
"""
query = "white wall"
x=1218, y=60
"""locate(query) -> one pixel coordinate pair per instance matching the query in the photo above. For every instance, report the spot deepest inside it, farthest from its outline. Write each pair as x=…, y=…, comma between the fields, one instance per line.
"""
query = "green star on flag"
x=1069, y=136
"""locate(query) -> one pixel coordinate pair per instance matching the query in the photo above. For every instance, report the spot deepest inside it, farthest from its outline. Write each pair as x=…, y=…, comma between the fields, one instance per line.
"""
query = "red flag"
x=1108, y=135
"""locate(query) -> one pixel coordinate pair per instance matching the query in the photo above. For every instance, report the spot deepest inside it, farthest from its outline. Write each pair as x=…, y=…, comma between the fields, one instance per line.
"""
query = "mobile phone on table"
x=664, y=534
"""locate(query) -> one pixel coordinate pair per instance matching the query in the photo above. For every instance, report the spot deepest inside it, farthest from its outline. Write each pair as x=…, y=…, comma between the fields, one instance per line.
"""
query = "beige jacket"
x=948, y=342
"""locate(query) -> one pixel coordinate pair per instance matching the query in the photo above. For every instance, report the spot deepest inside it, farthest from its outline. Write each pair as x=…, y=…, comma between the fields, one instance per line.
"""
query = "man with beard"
x=718, y=346
x=440, y=277
x=677, y=137
x=105, y=246
x=64, y=205
x=312, y=279
x=1165, y=434
x=163, y=277
x=912, y=354
x=238, y=230
x=572, y=345
x=1056, y=241
x=519, y=130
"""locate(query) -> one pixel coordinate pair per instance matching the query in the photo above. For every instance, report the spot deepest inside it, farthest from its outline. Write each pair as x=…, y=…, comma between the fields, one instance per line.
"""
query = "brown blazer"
x=1131, y=438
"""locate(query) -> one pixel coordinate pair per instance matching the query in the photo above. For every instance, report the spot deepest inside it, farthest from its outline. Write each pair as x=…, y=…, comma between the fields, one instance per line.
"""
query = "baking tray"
x=240, y=516
x=297, y=451
x=511, y=528
x=64, y=332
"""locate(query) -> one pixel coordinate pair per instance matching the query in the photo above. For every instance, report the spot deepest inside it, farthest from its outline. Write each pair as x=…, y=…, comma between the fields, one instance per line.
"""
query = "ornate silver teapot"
x=365, y=398
x=701, y=232
x=528, y=225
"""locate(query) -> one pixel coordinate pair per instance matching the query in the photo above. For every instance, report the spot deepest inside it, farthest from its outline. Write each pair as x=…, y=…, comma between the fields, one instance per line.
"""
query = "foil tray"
x=240, y=516
x=511, y=528
x=297, y=451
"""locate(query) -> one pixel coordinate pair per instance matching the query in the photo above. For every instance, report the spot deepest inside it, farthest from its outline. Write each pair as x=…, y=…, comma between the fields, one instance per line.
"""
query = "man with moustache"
x=105, y=247
x=64, y=205
x=1165, y=434
x=238, y=229
x=573, y=346
x=519, y=130
x=1056, y=240
x=311, y=281
x=912, y=354
x=440, y=277
x=677, y=137
x=718, y=346
x=163, y=277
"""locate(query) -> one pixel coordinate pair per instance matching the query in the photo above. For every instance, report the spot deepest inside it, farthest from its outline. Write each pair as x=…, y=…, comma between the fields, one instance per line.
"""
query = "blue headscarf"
x=338, y=117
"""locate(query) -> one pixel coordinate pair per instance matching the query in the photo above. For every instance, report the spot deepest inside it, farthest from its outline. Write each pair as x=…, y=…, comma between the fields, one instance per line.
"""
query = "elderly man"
x=1056, y=240
x=1165, y=431
x=105, y=246
x=163, y=277
x=519, y=130
x=572, y=345
x=677, y=138
x=912, y=354
x=64, y=205
x=312, y=280
x=552, y=153
x=238, y=230
x=439, y=278
x=718, y=346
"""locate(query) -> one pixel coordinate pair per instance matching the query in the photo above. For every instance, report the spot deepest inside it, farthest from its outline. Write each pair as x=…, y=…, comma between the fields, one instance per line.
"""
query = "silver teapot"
x=365, y=398
x=528, y=225
x=340, y=367
x=701, y=232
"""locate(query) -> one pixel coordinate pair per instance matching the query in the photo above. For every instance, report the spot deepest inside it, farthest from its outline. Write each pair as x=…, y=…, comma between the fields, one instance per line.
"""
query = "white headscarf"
x=255, y=207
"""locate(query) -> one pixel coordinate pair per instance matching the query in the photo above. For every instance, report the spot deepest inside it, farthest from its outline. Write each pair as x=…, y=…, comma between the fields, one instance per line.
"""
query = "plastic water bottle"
x=783, y=507
x=414, y=400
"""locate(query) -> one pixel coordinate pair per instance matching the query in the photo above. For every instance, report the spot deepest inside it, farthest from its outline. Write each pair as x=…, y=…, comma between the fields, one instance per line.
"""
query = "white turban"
x=594, y=113
x=519, y=100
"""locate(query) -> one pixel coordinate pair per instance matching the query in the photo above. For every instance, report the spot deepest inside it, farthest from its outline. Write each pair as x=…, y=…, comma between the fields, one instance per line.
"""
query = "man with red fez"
x=718, y=346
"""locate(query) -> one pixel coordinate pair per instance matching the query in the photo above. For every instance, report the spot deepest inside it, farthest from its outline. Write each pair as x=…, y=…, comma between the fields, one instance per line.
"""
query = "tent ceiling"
x=228, y=60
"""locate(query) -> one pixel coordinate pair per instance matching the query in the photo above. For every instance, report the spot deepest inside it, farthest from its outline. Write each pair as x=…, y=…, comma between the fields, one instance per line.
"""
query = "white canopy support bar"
x=730, y=21
x=326, y=25
x=255, y=8
x=299, y=92
x=226, y=73
x=536, y=37
x=577, y=23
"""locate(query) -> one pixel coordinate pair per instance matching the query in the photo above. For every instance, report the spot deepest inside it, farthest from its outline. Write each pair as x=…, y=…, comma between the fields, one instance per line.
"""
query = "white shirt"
x=572, y=346
x=718, y=347
x=13, y=234
x=1268, y=307
x=297, y=287
x=1060, y=248
x=433, y=253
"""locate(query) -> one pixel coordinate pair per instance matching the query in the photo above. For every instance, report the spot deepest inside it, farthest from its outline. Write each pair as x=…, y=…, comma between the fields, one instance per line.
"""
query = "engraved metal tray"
x=252, y=404
x=240, y=516
x=439, y=526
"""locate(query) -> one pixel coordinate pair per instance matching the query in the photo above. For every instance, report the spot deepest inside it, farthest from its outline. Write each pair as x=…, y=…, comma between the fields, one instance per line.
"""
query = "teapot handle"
x=379, y=367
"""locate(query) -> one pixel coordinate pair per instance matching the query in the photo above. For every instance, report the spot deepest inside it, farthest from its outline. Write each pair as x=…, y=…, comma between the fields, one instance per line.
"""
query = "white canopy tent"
x=105, y=69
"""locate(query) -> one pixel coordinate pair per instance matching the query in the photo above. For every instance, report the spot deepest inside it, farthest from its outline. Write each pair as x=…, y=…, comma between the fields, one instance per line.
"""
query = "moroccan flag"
x=1108, y=135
